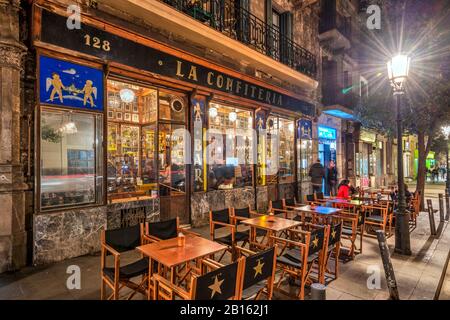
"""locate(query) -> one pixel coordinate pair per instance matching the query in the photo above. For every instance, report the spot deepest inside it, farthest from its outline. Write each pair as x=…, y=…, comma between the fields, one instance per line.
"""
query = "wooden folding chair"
x=115, y=242
x=298, y=257
x=309, y=199
x=333, y=249
x=278, y=208
x=259, y=274
x=223, y=219
x=376, y=215
x=222, y=283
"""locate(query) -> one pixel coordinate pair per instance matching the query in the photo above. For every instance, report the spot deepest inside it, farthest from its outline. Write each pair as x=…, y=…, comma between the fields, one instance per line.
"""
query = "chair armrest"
x=241, y=249
x=223, y=224
x=255, y=213
x=150, y=238
x=212, y=264
x=110, y=249
x=287, y=241
x=169, y=286
x=187, y=231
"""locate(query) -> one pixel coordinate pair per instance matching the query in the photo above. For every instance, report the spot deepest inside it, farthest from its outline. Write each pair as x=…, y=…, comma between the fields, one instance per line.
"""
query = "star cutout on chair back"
x=315, y=242
x=333, y=234
x=258, y=268
x=215, y=287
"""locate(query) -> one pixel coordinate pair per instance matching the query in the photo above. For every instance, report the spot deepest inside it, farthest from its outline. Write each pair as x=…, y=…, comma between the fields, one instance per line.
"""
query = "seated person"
x=344, y=189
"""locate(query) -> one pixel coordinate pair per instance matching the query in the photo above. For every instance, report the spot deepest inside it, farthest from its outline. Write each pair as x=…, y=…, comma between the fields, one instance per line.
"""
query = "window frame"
x=98, y=162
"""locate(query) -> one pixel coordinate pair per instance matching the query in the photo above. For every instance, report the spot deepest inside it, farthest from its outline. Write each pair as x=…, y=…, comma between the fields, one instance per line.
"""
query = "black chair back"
x=316, y=241
x=319, y=195
x=310, y=197
x=124, y=239
x=242, y=213
x=277, y=204
x=258, y=267
x=221, y=216
x=219, y=284
x=335, y=234
x=163, y=229
x=290, y=202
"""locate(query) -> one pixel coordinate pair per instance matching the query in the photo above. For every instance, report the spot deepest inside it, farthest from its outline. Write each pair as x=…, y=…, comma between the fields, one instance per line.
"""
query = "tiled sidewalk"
x=417, y=276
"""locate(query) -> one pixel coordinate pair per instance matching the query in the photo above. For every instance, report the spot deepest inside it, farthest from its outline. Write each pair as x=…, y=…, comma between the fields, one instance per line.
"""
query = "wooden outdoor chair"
x=301, y=253
x=221, y=219
x=115, y=242
x=333, y=250
x=309, y=199
x=278, y=208
x=259, y=274
x=353, y=224
x=415, y=207
x=376, y=215
x=222, y=283
x=291, y=203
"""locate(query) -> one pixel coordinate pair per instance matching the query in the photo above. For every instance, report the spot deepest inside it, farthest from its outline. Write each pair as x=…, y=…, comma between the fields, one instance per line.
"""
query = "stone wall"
x=67, y=234
x=203, y=202
x=130, y=213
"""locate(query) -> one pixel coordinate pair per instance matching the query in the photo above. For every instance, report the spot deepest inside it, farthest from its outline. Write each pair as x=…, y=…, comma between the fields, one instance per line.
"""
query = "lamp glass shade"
x=398, y=68
x=446, y=131
x=213, y=112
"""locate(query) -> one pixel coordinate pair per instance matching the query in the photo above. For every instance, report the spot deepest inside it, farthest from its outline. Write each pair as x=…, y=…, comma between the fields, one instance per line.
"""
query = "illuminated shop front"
x=119, y=145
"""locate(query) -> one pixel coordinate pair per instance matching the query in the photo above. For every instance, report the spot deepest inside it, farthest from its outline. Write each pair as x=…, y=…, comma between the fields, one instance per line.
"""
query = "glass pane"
x=172, y=107
x=305, y=156
x=68, y=157
x=272, y=143
x=230, y=150
x=286, y=149
x=130, y=175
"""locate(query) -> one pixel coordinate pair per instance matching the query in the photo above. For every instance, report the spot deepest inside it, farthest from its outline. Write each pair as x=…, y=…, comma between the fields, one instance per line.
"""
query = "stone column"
x=12, y=196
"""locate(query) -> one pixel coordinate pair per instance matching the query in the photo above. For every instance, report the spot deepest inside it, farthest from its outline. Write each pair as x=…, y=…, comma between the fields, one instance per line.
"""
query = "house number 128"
x=97, y=43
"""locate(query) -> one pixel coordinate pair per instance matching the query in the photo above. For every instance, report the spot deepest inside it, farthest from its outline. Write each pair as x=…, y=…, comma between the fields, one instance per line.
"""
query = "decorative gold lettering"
x=193, y=73
x=253, y=91
x=268, y=96
x=238, y=87
x=209, y=78
x=260, y=94
x=219, y=81
x=229, y=86
x=179, y=74
x=245, y=89
x=280, y=101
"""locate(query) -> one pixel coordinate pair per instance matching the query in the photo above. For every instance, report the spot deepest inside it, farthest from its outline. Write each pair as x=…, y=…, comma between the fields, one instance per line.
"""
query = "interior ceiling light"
x=232, y=116
x=126, y=95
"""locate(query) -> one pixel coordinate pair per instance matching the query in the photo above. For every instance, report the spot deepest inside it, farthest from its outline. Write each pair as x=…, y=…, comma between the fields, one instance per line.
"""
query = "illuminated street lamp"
x=446, y=132
x=398, y=69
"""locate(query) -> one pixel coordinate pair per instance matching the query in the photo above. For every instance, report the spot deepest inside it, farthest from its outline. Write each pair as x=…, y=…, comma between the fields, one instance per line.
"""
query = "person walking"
x=317, y=173
x=332, y=178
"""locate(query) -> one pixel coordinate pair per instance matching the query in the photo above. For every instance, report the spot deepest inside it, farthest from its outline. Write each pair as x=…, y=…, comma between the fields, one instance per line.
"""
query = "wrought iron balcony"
x=237, y=23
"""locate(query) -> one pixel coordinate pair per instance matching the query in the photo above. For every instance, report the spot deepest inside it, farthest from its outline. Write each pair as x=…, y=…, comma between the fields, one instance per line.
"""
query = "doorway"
x=327, y=152
x=172, y=152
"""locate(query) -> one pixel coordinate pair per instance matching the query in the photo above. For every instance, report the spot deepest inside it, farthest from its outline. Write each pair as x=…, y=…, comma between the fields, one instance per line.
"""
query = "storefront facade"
x=128, y=129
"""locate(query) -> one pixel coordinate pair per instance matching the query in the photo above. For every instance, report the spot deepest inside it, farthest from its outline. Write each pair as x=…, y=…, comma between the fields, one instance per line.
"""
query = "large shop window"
x=280, y=156
x=305, y=155
x=131, y=160
x=71, y=158
x=230, y=150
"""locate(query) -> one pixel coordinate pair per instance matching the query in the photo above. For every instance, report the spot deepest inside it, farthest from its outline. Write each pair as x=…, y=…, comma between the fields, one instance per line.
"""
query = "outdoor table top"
x=168, y=253
x=318, y=210
x=271, y=223
x=354, y=202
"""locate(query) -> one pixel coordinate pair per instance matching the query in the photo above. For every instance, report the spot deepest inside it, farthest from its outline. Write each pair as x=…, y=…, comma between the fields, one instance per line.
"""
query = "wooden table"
x=271, y=224
x=319, y=211
x=169, y=254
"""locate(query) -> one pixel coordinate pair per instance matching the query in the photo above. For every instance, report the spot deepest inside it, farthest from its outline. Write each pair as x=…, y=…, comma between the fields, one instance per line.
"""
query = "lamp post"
x=446, y=132
x=398, y=69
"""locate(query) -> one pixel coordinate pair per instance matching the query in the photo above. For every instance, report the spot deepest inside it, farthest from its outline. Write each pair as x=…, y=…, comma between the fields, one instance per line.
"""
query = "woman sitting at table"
x=344, y=190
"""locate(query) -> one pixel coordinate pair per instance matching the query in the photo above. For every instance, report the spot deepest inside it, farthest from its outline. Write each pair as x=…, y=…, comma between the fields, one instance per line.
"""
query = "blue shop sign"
x=305, y=129
x=71, y=85
x=327, y=133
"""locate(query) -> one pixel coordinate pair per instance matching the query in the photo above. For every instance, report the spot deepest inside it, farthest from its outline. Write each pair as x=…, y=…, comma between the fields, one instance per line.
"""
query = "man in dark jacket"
x=332, y=178
x=317, y=173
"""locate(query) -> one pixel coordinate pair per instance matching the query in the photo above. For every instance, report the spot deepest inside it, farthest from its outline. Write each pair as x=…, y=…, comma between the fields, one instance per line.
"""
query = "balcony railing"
x=237, y=23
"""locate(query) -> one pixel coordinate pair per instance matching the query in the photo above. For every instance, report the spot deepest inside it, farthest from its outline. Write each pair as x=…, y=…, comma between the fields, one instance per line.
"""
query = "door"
x=172, y=150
